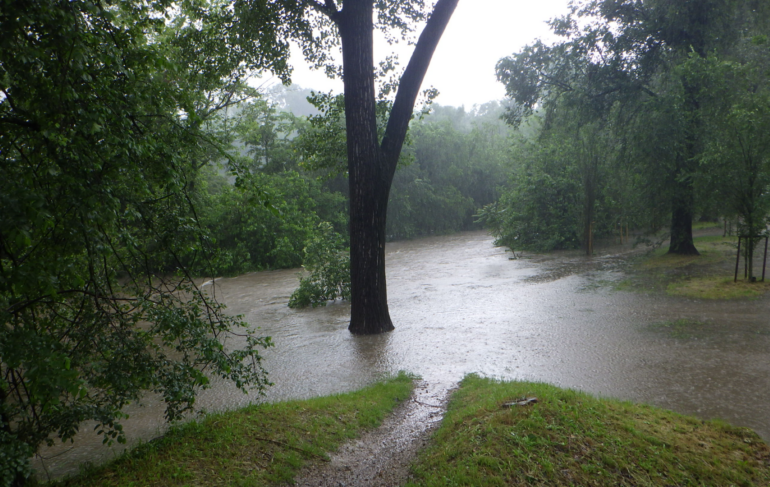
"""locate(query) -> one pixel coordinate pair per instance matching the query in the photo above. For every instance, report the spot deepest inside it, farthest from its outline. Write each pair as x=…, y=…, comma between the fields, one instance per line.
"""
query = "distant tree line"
x=452, y=166
x=644, y=113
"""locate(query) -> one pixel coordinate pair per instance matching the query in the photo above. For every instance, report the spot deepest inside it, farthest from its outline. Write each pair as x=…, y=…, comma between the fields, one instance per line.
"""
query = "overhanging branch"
x=409, y=88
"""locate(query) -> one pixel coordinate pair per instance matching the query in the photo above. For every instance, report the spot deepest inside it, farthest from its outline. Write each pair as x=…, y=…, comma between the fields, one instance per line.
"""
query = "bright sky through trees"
x=463, y=67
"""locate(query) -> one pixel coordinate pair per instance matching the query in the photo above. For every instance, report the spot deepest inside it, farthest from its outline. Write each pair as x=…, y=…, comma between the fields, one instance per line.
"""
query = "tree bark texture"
x=371, y=165
x=683, y=197
x=681, y=220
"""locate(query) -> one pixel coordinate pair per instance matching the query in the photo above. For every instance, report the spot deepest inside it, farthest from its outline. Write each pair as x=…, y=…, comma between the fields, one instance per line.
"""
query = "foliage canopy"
x=100, y=149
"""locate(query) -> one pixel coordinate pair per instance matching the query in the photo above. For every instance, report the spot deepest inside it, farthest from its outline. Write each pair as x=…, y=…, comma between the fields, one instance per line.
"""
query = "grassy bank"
x=256, y=446
x=708, y=276
x=569, y=438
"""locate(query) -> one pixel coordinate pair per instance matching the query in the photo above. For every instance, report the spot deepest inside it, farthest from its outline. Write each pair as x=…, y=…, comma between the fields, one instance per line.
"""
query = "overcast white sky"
x=479, y=34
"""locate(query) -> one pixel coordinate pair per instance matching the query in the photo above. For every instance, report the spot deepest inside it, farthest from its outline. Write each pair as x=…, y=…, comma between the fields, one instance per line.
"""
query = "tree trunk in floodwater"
x=371, y=165
x=369, y=186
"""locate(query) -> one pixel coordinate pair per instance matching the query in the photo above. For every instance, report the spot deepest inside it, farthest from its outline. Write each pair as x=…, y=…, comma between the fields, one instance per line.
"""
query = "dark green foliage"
x=328, y=263
x=99, y=145
x=541, y=209
x=249, y=235
x=418, y=208
x=456, y=162
x=627, y=99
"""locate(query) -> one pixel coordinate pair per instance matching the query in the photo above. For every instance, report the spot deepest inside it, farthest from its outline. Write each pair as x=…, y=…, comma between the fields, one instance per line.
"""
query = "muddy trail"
x=460, y=306
x=381, y=457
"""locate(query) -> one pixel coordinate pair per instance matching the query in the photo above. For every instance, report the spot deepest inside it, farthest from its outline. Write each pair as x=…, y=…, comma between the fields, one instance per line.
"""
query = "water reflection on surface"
x=460, y=306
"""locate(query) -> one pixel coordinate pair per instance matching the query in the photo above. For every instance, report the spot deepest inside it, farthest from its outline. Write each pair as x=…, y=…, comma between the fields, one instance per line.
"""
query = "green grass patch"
x=706, y=276
x=571, y=438
x=713, y=249
x=256, y=446
x=624, y=285
x=717, y=288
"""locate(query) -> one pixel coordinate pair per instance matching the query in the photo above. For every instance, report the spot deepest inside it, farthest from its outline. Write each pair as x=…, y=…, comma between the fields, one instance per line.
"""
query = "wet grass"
x=672, y=261
x=717, y=288
x=713, y=249
x=571, y=438
x=708, y=276
x=257, y=446
x=714, y=332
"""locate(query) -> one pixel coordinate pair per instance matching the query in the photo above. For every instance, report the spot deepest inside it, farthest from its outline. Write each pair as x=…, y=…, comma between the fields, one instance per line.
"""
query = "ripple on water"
x=460, y=306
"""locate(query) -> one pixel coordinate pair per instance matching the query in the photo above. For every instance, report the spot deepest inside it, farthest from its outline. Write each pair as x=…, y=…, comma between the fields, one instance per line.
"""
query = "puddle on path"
x=381, y=457
x=461, y=306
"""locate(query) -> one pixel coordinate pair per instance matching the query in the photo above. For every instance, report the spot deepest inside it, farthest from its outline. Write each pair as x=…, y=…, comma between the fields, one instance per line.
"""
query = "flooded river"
x=460, y=306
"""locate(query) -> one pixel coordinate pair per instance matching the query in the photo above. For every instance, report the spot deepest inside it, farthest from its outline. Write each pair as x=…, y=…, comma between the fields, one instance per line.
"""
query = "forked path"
x=381, y=457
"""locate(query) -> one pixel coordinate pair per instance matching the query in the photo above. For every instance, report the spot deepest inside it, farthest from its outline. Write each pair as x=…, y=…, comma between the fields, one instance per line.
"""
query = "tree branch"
x=409, y=88
x=327, y=8
x=22, y=123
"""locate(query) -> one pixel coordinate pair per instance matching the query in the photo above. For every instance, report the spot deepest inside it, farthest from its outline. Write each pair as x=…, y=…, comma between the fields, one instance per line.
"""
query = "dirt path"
x=381, y=458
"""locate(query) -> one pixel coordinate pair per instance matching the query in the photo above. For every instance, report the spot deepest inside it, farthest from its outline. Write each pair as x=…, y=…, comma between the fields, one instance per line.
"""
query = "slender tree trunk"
x=371, y=165
x=590, y=172
x=588, y=215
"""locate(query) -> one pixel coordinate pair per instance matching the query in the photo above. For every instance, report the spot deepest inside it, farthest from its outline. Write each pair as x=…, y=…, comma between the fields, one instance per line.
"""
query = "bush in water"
x=329, y=265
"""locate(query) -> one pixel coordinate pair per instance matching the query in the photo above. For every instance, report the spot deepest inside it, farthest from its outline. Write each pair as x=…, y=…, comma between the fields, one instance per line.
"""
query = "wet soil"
x=381, y=457
x=461, y=306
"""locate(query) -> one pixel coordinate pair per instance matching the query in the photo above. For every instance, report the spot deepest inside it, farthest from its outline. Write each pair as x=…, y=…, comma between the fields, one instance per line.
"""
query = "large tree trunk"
x=681, y=221
x=683, y=197
x=369, y=192
x=369, y=188
x=371, y=166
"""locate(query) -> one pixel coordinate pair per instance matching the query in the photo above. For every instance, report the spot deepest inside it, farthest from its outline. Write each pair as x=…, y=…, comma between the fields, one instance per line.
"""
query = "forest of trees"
x=647, y=114
x=453, y=165
x=137, y=159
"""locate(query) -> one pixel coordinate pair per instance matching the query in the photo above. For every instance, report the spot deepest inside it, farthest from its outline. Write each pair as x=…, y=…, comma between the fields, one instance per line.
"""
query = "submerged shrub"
x=328, y=262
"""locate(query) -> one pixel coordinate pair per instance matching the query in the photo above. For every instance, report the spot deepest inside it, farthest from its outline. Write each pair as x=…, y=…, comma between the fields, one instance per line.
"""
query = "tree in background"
x=621, y=61
x=736, y=157
x=454, y=164
x=371, y=161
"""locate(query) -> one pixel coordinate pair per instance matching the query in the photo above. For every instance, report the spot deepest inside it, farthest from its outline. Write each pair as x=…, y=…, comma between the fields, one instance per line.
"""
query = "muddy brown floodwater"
x=461, y=306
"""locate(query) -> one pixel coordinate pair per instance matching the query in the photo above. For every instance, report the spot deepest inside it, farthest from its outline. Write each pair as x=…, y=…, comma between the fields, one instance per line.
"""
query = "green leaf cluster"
x=100, y=235
x=249, y=236
x=328, y=263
